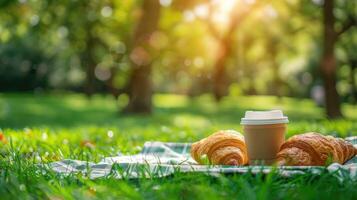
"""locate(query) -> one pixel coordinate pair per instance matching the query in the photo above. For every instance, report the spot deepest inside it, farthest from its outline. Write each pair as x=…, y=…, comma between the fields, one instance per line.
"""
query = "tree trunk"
x=276, y=82
x=328, y=63
x=220, y=87
x=249, y=69
x=89, y=64
x=114, y=91
x=220, y=78
x=140, y=85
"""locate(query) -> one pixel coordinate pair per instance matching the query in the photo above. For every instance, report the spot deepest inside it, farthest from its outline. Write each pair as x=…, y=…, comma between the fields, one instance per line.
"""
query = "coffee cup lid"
x=264, y=117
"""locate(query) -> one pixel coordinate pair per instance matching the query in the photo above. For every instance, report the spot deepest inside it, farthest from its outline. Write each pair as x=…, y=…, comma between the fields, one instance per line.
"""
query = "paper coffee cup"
x=264, y=133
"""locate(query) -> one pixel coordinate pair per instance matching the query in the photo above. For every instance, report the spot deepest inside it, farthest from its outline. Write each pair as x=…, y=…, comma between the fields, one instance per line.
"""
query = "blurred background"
x=132, y=49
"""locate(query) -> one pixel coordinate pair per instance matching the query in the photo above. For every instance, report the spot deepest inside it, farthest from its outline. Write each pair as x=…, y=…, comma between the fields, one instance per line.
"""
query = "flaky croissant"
x=225, y=147
x=314, y=149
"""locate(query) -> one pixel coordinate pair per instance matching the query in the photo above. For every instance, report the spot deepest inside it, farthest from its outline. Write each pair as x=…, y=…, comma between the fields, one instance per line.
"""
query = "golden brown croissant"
x=225, y=147
x=314, y=149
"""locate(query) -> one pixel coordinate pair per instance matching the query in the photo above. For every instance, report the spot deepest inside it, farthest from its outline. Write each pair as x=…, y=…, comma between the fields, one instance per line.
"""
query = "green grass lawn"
x=45, y=128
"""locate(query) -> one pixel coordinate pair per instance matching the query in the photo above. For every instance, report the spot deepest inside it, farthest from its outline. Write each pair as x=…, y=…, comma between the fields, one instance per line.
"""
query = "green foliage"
x=68, y=36
x=275, y=47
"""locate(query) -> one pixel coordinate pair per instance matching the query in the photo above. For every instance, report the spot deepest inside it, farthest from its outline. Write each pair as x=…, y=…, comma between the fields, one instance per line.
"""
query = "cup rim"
x=245, y=121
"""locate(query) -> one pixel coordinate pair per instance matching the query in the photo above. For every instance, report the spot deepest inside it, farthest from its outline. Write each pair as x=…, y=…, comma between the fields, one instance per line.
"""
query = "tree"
x=24, y=63
x=225, y=42
x=84, y=20
x=140, y=84
x=328, y=60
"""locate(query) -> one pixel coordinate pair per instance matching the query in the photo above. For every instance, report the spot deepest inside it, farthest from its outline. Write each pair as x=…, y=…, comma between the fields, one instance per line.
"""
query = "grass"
x=45, y=128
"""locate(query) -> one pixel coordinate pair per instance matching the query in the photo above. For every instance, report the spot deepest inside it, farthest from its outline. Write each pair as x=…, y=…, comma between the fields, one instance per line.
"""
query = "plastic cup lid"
x=264, y=117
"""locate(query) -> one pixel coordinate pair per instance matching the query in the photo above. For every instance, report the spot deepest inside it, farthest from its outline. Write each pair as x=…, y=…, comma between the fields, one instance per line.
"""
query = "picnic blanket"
x=160, y=159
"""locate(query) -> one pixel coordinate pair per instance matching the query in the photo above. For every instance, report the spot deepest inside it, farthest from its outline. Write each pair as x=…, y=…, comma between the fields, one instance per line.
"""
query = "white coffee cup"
x=264, y=133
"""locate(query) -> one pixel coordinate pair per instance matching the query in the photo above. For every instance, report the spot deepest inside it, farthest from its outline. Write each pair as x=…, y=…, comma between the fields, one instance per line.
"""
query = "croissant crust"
x=314, y=149
x=226, y=147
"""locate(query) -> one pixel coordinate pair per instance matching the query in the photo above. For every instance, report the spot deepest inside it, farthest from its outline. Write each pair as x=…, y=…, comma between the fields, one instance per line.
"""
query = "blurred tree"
x=328, y=60
x=186, y=51
x=148, y=39
x=84, y=25
x=277, y=82
x=89, y=30
x=23, y=67
x=24, y=63
x=140, y=83
x=225, y=41
x=281, y=39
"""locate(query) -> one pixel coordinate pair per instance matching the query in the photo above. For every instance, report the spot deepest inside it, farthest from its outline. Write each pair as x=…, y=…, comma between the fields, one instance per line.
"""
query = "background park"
x=89, y=79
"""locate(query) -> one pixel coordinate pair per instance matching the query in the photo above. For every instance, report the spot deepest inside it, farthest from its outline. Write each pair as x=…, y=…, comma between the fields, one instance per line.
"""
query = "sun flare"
x=223, y=10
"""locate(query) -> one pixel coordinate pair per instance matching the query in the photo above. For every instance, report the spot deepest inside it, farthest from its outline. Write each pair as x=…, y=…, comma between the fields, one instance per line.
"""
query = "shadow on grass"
x=25, y=110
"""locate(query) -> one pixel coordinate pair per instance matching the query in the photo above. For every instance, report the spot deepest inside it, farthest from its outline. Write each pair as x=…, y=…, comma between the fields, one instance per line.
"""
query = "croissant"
x=225, y=147
x=314, y=149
